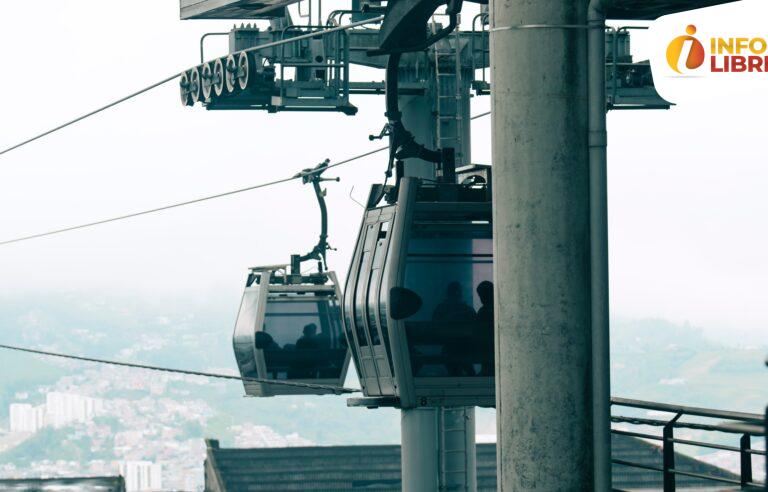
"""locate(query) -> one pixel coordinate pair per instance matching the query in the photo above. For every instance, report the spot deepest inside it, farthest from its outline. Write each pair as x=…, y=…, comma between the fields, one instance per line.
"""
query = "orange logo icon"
x=694, y=58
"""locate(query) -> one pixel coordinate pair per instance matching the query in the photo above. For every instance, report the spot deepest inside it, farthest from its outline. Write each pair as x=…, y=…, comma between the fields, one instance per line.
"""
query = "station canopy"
x=653, y=9
x=254, y=9
x=232, y=9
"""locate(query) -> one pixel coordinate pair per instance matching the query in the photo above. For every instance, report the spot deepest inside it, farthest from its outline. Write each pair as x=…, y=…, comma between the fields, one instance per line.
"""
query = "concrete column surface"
x=438, y=449
x=419, y=450
x=541, y=241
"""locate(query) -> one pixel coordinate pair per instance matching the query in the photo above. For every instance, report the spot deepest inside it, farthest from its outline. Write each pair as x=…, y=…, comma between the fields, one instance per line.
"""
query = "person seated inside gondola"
x=308, y=339
x=264, y=341
x=485, y=336
x=304, y=365
x=456, y=319
x=453, y=308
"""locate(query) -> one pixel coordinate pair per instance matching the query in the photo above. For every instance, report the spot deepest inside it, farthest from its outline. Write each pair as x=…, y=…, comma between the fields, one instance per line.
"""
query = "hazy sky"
x=688, y=187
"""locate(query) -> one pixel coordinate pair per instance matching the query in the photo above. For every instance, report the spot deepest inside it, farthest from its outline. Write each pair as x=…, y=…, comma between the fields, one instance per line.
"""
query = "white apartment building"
x=64, y=408
x=141, y=476
x=26, y=417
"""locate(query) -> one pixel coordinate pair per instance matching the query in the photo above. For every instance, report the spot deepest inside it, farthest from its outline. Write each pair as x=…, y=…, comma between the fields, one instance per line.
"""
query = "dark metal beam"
x=653, y=9
x=231, y=9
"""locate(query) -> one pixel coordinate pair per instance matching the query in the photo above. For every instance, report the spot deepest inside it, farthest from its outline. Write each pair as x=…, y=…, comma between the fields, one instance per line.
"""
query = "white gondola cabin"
x=289, y=329
x=289, y=326
x=418, y=304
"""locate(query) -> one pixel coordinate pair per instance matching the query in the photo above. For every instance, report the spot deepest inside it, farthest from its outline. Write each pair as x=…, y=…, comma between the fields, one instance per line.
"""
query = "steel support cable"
x=335, y=389
x=272, y=44
x=198, y=200
x=182, y=204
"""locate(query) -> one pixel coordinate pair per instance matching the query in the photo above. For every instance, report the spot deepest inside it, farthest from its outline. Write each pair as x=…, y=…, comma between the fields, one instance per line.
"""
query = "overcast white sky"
x=688, y=187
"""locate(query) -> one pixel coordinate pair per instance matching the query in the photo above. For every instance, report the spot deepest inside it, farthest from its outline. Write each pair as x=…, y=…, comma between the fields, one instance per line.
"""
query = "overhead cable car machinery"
x=313, y=73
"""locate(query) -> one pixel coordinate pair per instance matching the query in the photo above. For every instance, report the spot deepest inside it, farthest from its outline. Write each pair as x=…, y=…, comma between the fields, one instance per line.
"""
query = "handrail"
x=483, y=17
x=338, y=73
x=202, y=42
x=747, y=425
x=696, y=411
x=752, y=430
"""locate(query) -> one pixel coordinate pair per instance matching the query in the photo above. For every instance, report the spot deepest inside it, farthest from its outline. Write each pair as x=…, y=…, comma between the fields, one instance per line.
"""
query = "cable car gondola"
x=418, y=304
x=418, y=301
x=289, y=325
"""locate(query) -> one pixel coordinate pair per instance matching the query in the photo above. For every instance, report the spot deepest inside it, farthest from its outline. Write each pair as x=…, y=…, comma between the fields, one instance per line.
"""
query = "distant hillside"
x=656, y=360
x=651, y=359
x=181, y=336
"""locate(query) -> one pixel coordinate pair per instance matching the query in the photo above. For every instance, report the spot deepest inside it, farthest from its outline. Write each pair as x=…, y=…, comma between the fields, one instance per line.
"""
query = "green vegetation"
x=658, y=361
x=54, y=444
x=23, y=373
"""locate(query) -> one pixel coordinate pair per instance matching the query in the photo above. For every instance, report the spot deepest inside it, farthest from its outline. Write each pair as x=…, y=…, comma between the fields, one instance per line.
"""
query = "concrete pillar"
x=541, y=240
x=438, y=449
x=419, y=449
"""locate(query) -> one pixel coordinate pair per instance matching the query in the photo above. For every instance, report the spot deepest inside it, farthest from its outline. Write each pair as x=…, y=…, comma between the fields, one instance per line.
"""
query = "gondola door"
x=375, y=305
x=355, y=303
x=365, y=308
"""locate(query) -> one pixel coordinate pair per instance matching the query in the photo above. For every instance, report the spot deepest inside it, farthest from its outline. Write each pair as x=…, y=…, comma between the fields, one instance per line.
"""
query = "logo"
x=714, y=53
x=686, y=48
x=727, y=54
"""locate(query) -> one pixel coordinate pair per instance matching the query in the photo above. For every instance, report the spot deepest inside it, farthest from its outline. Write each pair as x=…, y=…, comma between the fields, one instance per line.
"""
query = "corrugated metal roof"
x=378, y=468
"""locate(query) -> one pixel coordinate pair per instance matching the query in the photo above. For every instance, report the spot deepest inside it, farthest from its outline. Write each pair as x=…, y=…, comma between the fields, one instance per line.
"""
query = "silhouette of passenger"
x=265, y=341
x=453, y=307
x=304, y=364
x=485, y=293
x=485, y=326
x=309, y=338
x=456, y=319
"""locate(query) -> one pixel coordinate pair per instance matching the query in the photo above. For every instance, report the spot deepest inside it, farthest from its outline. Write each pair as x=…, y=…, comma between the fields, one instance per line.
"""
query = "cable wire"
x=182, y=204
x=324, y=387
x=198, y=200
x=272, y=44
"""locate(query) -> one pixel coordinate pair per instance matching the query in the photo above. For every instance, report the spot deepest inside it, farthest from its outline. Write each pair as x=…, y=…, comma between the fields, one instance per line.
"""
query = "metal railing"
x=746, y=425
x=333, y=68
x=484, y=49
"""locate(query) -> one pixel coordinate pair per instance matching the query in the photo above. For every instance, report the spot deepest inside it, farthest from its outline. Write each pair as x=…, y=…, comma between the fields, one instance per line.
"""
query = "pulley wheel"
x=207, y=81
x=218, y=77
x=194, y=85
x=230, y=74
x=186, y=100
x=243, y=70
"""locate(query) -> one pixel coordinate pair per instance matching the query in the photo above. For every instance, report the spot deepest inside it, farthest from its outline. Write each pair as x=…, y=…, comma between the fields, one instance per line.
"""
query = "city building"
x=26, y=418
x=64, y=408
x=141, y=476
